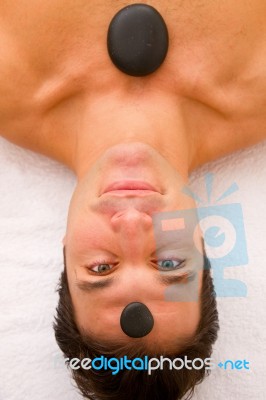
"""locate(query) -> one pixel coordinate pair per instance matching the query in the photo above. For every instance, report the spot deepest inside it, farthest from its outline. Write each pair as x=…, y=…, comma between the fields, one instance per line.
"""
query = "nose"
x=131, y=222
x=134, y=230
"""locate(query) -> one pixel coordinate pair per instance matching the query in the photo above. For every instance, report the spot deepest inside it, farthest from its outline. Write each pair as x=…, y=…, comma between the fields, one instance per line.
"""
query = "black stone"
x=136, y=320
x=137, y=40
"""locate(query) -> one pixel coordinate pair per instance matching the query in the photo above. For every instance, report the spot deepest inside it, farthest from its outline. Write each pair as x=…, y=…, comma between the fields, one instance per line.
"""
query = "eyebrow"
x=93, y=286
x=173, y=279
x=166, y=280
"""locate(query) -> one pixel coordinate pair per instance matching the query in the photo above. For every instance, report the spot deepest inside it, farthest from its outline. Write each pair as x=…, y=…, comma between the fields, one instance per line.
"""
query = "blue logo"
x=223, y=233
x=238, y=365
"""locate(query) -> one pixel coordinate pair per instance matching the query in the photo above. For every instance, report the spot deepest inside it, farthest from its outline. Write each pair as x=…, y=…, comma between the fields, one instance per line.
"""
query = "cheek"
x=85, y=232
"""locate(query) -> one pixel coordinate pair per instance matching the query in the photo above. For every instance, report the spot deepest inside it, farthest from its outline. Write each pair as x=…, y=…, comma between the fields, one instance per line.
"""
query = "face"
x=124, y=244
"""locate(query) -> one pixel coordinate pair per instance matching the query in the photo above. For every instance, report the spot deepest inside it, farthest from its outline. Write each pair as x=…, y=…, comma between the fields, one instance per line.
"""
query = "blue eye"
x=101, y=268
x=169, y=264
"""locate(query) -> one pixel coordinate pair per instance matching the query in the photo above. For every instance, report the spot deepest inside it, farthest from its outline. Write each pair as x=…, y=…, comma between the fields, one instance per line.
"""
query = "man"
x=132, y=142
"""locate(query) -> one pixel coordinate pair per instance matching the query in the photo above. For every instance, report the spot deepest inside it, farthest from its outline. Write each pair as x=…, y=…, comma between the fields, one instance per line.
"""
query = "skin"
x=62, y=97
x=116, y=231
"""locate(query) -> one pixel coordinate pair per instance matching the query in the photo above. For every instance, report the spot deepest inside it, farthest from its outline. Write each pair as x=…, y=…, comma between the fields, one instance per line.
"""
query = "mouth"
x=130, y=187
x=130, y=193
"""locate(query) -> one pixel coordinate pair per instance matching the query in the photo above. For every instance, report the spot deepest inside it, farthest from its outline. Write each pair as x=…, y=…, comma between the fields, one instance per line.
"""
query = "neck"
x=117, y=119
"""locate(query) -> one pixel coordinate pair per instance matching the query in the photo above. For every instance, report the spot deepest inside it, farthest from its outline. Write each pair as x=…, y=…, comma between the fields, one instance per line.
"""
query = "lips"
x=138, y=187
x=129, y=193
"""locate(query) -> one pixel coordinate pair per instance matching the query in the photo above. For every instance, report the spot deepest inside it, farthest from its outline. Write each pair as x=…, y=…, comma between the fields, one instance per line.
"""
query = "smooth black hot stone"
x=136, y=320
x=137, y=40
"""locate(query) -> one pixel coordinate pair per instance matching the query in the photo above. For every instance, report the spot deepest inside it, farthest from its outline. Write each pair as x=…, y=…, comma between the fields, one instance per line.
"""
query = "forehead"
x=174, y=323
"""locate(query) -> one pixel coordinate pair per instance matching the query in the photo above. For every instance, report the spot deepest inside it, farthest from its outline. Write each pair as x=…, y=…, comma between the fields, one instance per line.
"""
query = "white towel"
x=34, y=198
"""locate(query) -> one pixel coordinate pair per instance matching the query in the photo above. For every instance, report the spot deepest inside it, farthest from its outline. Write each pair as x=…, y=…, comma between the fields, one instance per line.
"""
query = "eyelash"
x=100, y=262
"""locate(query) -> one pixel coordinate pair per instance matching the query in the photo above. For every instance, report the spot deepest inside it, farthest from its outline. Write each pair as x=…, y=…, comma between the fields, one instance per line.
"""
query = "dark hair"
x=134, y=384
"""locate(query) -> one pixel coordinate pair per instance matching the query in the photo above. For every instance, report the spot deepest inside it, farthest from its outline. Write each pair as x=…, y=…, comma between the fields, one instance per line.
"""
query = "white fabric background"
x=34, y=198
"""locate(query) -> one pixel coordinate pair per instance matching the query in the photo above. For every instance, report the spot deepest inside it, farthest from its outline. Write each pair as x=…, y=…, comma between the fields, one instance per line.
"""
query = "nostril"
x=132, y=220
x=117, y=220
x=117, y=215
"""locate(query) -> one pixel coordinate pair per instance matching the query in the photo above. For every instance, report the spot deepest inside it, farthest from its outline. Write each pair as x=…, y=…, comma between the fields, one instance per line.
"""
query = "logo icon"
x=221, y=228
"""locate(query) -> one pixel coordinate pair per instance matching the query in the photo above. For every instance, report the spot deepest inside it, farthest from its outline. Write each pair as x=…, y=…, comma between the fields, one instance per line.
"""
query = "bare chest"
x=54, y=61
